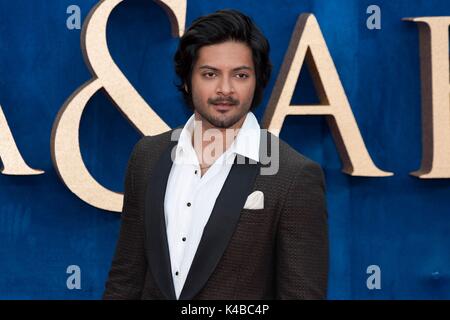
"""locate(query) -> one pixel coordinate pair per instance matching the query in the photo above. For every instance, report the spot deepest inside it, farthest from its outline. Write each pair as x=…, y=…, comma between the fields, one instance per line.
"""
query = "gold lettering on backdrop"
x=434, y=62
x=66, y=154
x=308, y=44
x=13, y=163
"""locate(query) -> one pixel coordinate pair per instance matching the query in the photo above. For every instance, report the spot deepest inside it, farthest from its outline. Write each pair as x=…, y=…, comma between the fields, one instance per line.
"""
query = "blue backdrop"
x=400, y=223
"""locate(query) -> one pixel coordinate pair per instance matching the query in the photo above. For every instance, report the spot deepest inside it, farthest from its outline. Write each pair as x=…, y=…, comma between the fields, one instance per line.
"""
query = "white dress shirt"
x=190, y=197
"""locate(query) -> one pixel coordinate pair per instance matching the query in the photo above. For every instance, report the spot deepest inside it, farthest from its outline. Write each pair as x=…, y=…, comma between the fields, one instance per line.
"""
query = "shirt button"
x=176, y=273
x=195, y=171
x=184, y=239
x=188, y=204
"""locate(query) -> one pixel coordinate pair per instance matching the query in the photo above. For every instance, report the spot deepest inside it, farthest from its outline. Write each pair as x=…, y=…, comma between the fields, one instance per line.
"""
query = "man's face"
x=223, y=84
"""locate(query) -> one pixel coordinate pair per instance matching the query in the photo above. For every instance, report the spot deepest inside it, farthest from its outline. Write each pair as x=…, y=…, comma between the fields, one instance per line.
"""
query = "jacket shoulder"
x=156, y=142
x=148, y=149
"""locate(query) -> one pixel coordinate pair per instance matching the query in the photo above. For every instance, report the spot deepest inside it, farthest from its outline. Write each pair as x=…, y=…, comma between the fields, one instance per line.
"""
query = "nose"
x=225, y=87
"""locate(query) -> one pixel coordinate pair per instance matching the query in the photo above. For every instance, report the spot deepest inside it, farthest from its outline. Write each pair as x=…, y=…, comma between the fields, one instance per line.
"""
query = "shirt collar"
x=247, y=140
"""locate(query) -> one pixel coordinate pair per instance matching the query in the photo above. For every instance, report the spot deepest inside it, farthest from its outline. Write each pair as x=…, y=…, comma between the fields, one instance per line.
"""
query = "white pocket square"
x=255, y=201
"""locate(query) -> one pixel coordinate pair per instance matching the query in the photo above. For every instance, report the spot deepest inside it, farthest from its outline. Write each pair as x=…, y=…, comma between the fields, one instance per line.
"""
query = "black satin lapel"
x=221, y=225
x=155, y=224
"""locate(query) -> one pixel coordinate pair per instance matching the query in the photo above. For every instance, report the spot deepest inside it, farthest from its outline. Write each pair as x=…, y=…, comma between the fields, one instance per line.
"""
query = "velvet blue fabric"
x=400, y=223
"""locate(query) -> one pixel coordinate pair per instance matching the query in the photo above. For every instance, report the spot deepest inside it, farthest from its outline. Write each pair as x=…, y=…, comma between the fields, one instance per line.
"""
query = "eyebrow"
x=235, y=69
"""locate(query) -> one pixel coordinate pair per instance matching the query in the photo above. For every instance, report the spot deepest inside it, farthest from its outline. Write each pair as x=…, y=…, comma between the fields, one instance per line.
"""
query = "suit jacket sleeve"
x=302, y=238
x=127, y=273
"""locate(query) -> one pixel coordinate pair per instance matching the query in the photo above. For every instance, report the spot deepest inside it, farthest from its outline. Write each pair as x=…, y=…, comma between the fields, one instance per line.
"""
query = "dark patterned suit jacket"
x=279, y=252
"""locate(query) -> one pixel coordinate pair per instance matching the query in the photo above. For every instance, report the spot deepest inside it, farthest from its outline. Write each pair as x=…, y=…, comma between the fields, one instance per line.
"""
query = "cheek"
x=202, y=90
x=196, y=98
x=199, y=96
x=247, y=92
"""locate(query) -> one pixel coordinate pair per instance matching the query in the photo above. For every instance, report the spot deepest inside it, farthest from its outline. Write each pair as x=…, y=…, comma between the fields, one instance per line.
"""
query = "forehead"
x=226, y=55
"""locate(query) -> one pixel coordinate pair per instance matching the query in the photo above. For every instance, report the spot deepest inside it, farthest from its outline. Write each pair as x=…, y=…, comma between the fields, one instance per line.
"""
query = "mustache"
x=229, y=100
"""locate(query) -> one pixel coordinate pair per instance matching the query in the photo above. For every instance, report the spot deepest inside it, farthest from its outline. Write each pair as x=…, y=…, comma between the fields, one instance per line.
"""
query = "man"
x=201, y=218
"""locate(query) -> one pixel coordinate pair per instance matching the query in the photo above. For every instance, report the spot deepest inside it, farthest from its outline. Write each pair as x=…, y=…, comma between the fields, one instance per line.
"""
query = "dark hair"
x=219, y=27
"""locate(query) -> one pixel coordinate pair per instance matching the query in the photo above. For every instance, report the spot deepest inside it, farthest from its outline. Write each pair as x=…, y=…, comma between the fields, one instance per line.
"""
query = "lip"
x=223, y=107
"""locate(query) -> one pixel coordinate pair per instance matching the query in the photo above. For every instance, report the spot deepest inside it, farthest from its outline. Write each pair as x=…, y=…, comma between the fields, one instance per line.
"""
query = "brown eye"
x=242, y=76
x=209, y=74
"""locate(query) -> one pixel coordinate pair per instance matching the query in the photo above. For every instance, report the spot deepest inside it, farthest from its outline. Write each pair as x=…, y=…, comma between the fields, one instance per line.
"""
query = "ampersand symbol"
x=65, y=148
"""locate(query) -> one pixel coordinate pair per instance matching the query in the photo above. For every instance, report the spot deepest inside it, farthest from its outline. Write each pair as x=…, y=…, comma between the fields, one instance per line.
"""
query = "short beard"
x=221, y=123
